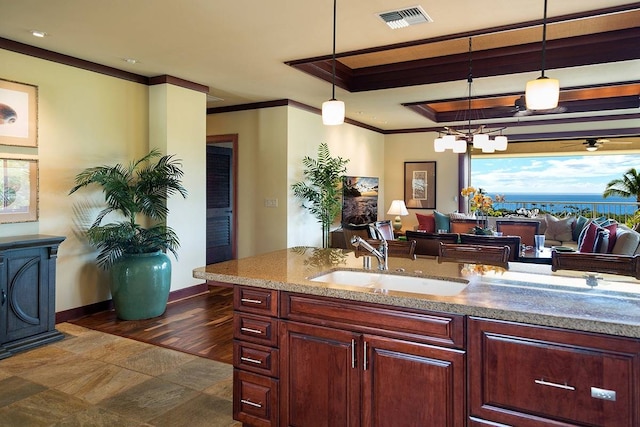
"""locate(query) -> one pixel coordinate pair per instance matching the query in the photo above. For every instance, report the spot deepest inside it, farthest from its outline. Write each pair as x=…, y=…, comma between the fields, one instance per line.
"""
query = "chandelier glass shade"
x=333, y=110
x=458, y=140
x=542, y=93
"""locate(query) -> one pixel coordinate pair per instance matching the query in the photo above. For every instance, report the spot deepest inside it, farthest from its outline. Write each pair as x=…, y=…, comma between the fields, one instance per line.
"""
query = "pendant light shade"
x=333, y=110
x=543, y=92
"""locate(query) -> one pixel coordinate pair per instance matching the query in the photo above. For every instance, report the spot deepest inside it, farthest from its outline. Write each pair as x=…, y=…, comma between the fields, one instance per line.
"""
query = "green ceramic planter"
x=140, y=285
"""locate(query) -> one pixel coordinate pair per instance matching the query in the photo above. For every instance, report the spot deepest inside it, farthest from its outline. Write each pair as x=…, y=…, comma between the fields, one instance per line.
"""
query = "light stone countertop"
x=527, y=293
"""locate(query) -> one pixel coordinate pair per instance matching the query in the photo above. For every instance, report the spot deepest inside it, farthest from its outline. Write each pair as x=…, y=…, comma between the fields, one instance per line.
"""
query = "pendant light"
x=333, y=110
x=543, y=92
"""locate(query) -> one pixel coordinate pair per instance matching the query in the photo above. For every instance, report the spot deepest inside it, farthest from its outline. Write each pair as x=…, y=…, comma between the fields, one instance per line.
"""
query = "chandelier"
x=458, y=139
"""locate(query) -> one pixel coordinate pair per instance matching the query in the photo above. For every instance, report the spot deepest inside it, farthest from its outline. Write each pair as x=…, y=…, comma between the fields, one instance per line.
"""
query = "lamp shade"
x=500, y=143
x=398, y=208
x=438, y=145
x=333, y=112
x=542, y=93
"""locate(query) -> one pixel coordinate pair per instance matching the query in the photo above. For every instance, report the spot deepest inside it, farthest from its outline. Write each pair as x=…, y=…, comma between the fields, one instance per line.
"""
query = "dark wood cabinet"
x=27, y=292
x=533, y=376
x=255, y=356
x=343, y=375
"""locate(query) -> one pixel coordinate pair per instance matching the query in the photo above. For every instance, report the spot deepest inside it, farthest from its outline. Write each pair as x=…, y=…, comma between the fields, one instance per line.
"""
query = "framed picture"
x=18, y=114
x=359, y=200
x=420, y=185
x=18, y=190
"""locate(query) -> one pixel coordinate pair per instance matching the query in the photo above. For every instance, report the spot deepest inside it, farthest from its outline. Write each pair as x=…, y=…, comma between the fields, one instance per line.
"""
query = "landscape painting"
x=360, y=200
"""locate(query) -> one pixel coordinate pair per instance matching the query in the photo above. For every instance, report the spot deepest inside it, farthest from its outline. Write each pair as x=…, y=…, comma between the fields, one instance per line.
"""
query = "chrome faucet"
x=381, y=253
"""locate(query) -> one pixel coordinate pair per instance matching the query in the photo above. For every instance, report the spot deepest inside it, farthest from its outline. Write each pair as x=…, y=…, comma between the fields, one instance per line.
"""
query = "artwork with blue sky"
x=550, y=175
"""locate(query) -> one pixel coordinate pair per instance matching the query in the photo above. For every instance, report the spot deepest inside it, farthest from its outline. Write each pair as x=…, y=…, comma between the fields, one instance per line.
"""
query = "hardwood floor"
x=201, y=325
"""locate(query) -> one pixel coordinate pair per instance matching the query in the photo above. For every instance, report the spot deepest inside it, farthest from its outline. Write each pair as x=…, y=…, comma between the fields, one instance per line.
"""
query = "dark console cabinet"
x=27, y=292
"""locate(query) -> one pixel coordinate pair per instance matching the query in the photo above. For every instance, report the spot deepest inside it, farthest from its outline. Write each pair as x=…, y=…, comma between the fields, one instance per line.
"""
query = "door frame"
x=233, y=139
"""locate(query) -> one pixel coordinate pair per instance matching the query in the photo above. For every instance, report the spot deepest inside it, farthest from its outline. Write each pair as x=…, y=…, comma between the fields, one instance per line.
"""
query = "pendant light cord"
x=333, y=62
x=469, y=81
x=544, y=37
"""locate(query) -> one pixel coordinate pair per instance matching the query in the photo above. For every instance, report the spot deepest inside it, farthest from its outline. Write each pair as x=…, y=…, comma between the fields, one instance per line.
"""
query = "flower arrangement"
x=479, y=202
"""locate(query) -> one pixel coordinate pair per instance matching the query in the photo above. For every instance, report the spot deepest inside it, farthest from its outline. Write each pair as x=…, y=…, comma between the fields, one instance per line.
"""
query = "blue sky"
x=550, y=175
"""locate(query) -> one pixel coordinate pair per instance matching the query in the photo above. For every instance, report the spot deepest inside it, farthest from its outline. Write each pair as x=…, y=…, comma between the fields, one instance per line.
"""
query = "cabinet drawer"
x=256, y=329
x=403, y=323
x=255, y=358
x=255, y=300
x=255, y=399
x=525, y=375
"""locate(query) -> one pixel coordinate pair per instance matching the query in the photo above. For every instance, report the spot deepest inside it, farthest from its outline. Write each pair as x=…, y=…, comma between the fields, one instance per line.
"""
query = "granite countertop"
x=527, y=293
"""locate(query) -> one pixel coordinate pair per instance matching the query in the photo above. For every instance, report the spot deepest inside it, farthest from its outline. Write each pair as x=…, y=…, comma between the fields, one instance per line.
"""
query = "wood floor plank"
x=201, y=325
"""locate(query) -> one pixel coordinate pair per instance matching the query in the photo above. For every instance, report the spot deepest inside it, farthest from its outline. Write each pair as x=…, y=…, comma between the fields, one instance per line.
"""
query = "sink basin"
x=392, y=282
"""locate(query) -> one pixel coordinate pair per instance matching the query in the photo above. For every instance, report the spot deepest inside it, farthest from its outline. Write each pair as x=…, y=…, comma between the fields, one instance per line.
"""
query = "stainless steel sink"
x=382, y=282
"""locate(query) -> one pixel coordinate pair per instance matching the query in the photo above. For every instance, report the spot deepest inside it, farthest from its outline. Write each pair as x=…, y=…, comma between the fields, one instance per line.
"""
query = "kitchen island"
x=523, y=347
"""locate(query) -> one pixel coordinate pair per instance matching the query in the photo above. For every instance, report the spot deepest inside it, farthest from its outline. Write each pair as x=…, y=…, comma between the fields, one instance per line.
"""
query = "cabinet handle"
x=250, y=403
x=353, y=353
x=250, y=360
x=251, y=301
x=550, y=384
x=253, y=331
x=364, y=358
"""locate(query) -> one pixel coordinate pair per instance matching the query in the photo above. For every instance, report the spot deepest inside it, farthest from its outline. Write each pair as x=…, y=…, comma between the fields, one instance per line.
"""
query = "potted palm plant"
x=321, y=190
x=135, y=253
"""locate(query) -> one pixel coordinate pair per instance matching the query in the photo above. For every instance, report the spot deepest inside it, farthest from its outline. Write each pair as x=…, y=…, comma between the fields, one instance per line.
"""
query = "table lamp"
x=397, y=208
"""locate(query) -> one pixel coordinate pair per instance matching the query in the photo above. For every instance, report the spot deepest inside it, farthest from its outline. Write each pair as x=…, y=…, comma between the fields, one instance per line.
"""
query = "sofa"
x=581, y=234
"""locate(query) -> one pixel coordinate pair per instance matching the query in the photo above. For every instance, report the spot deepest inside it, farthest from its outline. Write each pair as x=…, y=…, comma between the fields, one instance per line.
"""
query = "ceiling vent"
x=404, y=17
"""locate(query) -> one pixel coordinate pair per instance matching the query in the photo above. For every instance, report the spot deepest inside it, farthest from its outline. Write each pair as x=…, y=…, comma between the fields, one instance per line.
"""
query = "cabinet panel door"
x=320, y=379
x=27, y=297
x=536, y=376
x=408, y=384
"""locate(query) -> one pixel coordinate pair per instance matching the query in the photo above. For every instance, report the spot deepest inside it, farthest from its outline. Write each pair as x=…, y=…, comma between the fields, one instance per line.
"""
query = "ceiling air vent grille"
x=404, y=17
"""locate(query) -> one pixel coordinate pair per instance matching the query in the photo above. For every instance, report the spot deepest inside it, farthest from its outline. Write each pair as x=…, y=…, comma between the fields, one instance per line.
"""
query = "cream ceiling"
x=238, y=48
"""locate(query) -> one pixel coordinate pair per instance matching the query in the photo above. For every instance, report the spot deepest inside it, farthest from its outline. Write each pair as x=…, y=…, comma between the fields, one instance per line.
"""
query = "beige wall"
x=418, y=147
x=271, y=145
x=88, y=119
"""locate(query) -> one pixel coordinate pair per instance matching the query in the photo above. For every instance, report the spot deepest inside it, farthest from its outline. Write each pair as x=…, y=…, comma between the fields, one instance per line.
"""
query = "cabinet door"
x=408, y=384
x=535, y=376
x=320, y=377
x=27, y=293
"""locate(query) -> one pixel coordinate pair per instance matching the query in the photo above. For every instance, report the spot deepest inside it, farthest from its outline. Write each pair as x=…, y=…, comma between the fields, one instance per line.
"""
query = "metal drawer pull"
x=604, y=394
x=364, y=362
x=547, y=383
x=253, y=331
x=250, y=403
x=251, y=301
x=250, y=360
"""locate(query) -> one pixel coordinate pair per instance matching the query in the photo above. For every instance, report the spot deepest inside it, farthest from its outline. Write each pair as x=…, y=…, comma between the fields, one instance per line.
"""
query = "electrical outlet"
x=270, y=203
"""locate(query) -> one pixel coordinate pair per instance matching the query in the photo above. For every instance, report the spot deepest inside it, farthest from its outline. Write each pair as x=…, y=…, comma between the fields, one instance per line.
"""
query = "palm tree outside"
x=627, y=186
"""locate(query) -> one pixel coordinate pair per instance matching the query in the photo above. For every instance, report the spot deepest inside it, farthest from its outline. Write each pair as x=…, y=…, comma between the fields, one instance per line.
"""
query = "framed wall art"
x=420, y=185
x=359, y=200
x=18, y=114
x=18, y=190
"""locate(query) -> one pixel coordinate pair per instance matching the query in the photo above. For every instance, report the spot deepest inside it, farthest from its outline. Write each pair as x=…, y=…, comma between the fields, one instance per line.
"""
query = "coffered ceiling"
x=408, y=79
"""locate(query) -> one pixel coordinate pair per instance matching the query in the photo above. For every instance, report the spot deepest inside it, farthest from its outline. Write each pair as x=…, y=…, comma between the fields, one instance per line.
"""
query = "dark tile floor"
x=95, y=379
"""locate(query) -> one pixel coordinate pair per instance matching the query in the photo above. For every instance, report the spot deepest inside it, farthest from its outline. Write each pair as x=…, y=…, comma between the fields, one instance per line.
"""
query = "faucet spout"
x=380, y=253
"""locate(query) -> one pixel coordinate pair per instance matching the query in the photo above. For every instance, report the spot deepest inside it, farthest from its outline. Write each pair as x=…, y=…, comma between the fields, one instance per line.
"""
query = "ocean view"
x=559, y=202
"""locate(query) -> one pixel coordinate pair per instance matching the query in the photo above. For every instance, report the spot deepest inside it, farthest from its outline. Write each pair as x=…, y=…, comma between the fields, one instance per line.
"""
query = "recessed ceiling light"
x=38, y=33
x=130, y=60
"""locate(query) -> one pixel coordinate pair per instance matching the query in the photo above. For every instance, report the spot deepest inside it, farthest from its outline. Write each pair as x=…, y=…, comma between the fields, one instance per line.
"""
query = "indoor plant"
x=132, y=252
x=321, y=191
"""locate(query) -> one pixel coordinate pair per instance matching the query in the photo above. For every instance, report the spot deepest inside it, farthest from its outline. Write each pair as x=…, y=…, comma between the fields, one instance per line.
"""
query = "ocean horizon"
x=558, y=202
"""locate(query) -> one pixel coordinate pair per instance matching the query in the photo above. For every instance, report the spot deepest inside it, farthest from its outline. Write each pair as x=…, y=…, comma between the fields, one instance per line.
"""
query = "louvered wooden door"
x=219, y=204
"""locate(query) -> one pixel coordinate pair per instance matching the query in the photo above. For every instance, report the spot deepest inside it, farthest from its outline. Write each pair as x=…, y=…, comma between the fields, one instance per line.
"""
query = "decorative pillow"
x=579, y=225
x=458, y=215
x=442, y=221
x=591, y=237
x=626, y=241
x=613, y=229
x=426, y=223
x=559, y=229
